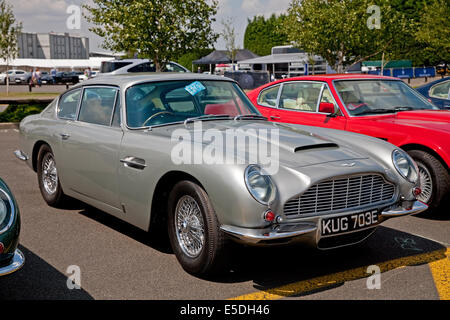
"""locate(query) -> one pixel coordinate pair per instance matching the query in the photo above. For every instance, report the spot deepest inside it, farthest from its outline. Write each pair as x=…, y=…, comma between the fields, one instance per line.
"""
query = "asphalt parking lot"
x=118, y=261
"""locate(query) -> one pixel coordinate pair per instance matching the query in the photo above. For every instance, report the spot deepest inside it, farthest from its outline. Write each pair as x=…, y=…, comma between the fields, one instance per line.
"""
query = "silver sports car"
x=190, y=155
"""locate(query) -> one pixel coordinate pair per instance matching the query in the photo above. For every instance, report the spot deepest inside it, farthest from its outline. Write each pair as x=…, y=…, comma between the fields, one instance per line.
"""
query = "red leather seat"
x=224, y=108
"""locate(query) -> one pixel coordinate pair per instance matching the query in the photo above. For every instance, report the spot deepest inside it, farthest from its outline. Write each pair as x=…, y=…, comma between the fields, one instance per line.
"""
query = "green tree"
x=9, y=32
x=158, y=29
x=342, y=31
x=229, y=36
x=433, y=32
x=262, y=34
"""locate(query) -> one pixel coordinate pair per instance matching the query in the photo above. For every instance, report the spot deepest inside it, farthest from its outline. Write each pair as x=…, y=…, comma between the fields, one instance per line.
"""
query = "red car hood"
x=431, y=119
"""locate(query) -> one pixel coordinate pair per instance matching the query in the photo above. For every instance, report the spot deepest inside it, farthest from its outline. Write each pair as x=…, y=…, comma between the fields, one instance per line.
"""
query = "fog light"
x=269, y=216
x=417, y=191
x=2, y=247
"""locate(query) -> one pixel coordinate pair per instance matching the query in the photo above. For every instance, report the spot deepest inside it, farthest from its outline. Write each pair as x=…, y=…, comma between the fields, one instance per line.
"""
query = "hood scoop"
x=316, y=146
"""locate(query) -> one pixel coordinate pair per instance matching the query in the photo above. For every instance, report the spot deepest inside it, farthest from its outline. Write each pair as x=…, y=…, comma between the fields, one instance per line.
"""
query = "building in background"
x=52, y=46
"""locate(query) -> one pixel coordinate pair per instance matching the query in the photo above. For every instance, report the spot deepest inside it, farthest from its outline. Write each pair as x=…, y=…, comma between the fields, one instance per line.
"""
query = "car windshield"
x=365, y=97
x=160, y=103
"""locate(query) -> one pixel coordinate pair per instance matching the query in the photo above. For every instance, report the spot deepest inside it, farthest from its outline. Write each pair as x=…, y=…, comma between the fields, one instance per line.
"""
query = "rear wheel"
x=434, y=179
x=194, y=232
x=48, y=177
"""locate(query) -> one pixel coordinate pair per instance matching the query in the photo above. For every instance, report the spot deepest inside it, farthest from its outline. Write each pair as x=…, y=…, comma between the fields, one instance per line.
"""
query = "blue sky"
x=50, y=15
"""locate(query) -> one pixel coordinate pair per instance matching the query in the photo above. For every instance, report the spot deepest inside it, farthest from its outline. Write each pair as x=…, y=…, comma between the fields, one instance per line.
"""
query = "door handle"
x=275, y=118
x=133, y=162
x=65, y=136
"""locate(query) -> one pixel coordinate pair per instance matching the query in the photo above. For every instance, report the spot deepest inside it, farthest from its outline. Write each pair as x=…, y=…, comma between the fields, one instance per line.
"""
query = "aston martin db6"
x=189, y=155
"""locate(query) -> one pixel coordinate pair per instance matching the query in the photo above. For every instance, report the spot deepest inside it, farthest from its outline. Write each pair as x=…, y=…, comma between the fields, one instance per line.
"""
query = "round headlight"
x=405, y=165
x=260, y=186
x=6, y=209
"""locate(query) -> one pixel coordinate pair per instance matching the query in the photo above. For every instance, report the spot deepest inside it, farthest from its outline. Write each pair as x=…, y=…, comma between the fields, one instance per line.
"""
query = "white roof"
x=93, y=63
x=280, y=58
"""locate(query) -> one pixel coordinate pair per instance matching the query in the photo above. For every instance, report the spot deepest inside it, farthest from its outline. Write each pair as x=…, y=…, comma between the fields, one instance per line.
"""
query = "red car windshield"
x=363, y=97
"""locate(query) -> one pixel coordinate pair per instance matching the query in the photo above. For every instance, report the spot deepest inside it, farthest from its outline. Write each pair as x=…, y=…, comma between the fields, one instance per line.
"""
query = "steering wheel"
x=156, y=114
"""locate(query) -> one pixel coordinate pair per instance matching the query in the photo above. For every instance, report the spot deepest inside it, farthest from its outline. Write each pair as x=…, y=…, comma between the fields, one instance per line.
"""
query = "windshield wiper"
x=250, y=116
x=385, y=110
x=207, y=117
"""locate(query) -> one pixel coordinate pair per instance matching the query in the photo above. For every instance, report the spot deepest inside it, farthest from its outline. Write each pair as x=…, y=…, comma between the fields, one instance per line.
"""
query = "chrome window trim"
x=266, y=89
x=59, y=101
x=435, y=85
x=13, y=212
x=417, y=94
x=310, y=81
x=114, y=109
x=81, y=101
x=128, y=86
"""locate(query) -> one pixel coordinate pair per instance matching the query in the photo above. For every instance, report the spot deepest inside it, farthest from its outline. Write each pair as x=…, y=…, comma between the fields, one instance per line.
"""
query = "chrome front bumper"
x=16, y=263
x=288, y=232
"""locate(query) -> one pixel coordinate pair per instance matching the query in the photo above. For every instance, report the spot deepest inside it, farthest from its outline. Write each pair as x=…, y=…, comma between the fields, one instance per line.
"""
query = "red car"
x=382, y=107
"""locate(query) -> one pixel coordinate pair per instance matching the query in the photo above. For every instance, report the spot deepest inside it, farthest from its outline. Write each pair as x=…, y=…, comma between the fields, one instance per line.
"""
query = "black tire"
x=213, y=257
x=439, y=174
x=56, y=198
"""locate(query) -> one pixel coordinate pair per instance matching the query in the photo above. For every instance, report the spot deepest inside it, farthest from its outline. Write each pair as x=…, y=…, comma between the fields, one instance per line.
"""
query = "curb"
x=9, y=125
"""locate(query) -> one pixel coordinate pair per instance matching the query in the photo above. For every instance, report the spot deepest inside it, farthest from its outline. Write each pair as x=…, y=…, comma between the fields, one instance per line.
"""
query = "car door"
x=90, y=147
x=298, y=103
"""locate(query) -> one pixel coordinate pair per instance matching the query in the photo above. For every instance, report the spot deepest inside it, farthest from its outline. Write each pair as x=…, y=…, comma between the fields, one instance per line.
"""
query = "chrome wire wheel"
x=426, y=183
x=49, y=174
x=189, y=226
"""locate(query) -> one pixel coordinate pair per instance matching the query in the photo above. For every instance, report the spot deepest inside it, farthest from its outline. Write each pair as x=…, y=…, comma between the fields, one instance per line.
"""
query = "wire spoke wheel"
x=426, y=183
x=189, y=226
x=49, y=174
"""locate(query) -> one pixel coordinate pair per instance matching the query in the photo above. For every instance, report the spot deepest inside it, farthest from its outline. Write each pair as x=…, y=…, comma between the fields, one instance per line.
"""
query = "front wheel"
x=48, y=177
x=434, y=178
x=194, y=233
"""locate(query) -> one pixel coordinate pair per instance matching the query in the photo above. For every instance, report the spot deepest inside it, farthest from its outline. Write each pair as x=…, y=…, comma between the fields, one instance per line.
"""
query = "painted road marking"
x=440, y=270
x=330, y=280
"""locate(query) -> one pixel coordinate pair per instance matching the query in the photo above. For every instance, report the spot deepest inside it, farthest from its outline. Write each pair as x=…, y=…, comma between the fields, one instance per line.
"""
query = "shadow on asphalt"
x=157, y=240
x=271, y=267
x=38, y=280
x=277, y=266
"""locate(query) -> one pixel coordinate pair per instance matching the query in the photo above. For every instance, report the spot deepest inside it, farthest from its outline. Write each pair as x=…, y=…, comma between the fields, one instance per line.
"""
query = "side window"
x=116, y=116
x=97, y=105
x=269, y=97
x=302, y=96
x=326, y=96
x=171, y=67
x=68, y=103
x=143, y=67
x=441, y=90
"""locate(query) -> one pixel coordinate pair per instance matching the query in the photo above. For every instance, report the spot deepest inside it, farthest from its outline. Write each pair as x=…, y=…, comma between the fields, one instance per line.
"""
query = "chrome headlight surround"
x=7, y=211
x=260, y=185
x=405, y=165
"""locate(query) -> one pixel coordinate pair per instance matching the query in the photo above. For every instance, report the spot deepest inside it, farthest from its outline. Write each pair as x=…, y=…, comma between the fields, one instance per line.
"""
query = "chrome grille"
x=338, y=194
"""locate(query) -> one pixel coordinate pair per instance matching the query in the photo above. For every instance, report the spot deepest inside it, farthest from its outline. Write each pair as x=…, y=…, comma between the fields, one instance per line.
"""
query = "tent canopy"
x=390, y=64
x=221, y=57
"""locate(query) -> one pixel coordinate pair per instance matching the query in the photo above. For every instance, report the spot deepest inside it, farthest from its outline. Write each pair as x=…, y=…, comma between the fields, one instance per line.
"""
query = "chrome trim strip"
x=21, y=155
x=417, y=207
x=17, y=262
x=268, y=234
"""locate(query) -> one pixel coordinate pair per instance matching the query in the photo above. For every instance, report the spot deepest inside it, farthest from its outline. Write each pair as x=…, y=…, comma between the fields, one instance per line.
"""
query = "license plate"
x=336, y=225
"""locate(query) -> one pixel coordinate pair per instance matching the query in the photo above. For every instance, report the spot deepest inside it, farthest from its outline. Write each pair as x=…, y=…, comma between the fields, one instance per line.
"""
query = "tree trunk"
x=7, y=79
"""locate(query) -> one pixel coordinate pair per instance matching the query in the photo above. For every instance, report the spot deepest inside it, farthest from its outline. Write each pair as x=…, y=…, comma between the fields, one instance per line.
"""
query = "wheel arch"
x=160, y=197
x=421, y=147
x=37, y=146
